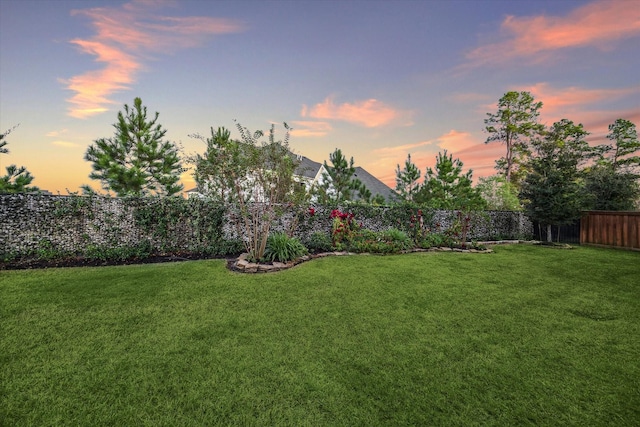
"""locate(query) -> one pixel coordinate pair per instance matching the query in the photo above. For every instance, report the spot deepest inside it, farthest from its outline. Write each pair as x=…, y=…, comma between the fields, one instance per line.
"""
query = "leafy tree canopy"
x=514, y=124
x=499, y=194
x=552, y=191
x=611, y=183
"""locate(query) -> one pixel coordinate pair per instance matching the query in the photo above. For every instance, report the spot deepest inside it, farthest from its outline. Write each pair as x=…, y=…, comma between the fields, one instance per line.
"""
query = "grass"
x=524, y=336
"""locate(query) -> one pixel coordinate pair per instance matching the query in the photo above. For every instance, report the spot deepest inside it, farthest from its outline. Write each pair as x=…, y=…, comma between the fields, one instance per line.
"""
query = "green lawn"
x=524, y=336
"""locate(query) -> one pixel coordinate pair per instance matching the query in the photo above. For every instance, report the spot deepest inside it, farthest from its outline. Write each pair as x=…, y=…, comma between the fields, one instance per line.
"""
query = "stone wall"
x=72, y=224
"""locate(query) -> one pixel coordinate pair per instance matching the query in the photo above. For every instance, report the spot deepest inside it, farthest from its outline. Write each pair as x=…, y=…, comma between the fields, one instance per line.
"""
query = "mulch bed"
x=33, y=263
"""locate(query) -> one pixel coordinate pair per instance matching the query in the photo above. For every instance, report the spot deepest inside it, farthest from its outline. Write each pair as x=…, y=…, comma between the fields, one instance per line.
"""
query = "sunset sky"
x=378, y=79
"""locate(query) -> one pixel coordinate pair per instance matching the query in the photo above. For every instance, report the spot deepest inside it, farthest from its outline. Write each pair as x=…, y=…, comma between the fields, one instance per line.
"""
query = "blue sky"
x=378, y=79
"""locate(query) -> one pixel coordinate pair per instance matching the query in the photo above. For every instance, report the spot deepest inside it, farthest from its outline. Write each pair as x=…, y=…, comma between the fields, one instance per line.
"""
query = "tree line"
x=550, y=172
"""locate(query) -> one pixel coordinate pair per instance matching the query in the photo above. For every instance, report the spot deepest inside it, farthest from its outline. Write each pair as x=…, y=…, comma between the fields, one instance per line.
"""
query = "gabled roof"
x=374, y=185
x=307, y=167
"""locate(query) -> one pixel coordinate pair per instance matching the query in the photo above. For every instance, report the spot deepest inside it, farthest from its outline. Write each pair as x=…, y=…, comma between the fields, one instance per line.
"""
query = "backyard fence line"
x=49, y=224
x=608, y=228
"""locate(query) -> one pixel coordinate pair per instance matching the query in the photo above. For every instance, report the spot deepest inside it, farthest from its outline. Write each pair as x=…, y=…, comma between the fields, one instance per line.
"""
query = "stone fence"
x=32, y=224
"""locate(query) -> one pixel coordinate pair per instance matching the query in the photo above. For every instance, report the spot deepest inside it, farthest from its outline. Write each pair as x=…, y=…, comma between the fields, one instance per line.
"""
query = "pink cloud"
x=599, y=24
x=581, y=105
x=126, y=36
x=369, y=113
x=305, y=128
x=559, y=103
x=455, y=141
x=470, y=149
x=584, y=106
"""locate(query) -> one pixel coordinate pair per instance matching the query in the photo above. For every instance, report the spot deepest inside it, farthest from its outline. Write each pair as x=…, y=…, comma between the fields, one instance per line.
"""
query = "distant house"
x=193, y=193
x=311, y=173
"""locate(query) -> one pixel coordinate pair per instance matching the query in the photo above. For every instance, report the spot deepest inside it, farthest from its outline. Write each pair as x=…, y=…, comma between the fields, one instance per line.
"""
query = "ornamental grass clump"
x=283, y=248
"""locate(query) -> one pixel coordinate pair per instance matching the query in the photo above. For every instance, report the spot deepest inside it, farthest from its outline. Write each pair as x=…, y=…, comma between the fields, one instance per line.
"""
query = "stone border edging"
x=242, y=265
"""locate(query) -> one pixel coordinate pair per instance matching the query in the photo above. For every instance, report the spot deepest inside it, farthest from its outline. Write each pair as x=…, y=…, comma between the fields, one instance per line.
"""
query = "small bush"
x=283, y=248
x=120, y=253
x=434, y=240
x=319, y=242
x=397, y=240
x=385, y=242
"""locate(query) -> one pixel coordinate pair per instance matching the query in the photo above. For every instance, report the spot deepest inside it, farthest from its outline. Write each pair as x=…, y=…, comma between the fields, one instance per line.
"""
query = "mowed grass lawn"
x=524, y=336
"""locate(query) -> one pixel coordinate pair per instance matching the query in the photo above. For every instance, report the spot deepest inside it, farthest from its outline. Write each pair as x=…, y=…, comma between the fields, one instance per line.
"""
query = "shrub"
x=319, y=242
x=397, y=240
x=433, y=240
x=384, y=242
x=119, y=253
x=283, y=248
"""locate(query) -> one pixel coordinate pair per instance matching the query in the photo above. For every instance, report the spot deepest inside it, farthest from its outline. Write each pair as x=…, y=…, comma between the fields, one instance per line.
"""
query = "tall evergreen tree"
x=217, y=170
x=514, y=124
x=17, y=179
x=338, y=182
x=626, y=148
x=136, y=161
x=552, y=192
x=611, y=183
x=407, y=184
x=447, y=187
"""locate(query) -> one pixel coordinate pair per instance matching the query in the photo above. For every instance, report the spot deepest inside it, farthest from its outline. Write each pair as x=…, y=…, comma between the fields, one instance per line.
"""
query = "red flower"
x=312, y=211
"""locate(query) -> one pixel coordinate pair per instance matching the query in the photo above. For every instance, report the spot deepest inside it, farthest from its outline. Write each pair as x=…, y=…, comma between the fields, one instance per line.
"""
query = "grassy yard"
x=524, y=336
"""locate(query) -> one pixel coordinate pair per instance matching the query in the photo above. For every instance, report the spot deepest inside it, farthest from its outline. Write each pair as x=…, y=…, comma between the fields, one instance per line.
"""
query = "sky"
x=377, y=79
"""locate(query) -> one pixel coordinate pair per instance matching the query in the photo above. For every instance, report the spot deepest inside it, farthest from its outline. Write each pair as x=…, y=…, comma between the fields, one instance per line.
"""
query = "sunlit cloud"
x=125, y=38
x=305, y=128
x=598, y=24
x=455, y=141
x=65, y=144
x=581, y=105
x=369, y=113
x=481, y=158
x=56, y=133
x=400, y=149
x=470, y=149
x=560, y=103
x=586, y=106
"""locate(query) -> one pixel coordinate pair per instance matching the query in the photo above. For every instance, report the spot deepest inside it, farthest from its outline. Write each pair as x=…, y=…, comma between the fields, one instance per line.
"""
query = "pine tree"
x=338, y=182
x=407, y=184
x=447, y=188
x=514, y=124
x=612, y=182
x=136, y=161
x=17, y=179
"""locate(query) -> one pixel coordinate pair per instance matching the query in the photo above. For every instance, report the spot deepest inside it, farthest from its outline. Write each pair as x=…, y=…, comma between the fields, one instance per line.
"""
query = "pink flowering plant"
x=343, y=229
x=417, y=227
x=348, y=234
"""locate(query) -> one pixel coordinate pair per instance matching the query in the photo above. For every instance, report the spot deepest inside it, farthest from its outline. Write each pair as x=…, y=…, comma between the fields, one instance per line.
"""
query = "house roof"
x=307, y=167
x=374, y=184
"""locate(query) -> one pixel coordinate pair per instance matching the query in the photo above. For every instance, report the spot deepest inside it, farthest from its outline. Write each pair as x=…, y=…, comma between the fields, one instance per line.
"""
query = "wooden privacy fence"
x=618, y=229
